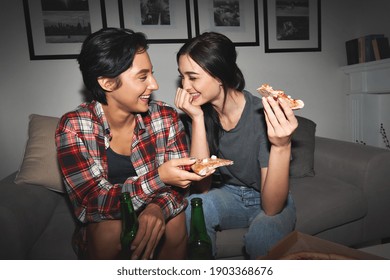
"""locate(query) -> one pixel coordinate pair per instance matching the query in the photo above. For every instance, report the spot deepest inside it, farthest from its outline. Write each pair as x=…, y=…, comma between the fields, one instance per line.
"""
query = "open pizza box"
x=299, y=242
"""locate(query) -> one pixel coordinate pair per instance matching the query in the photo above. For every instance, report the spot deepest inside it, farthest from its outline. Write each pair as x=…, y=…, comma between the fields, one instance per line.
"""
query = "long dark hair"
x=108, y=53
x=216, y=54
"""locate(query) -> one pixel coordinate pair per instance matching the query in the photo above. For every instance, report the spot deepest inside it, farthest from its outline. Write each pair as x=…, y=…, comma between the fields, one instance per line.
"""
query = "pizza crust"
x=203, y=166
x=266, y=90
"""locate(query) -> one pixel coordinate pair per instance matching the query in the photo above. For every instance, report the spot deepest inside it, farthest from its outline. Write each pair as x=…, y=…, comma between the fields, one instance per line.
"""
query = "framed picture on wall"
x=57, y=28
x=237, y=19
x=162, y=21
x=292, y=25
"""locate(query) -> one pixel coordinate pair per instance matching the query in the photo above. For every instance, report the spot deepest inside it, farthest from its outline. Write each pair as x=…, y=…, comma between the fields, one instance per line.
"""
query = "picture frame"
x=237, y=19
x=166, y=21
x=292, y=25
x=56, y=30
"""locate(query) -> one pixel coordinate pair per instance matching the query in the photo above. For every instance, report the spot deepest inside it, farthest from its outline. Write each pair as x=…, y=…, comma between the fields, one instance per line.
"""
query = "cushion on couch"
x=39, y=165
x=37, y=223
x=325, y=202
x=302, y=149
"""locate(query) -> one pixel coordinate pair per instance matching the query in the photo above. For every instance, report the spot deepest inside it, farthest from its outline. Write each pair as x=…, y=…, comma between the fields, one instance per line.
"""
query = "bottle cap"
x=196, y=201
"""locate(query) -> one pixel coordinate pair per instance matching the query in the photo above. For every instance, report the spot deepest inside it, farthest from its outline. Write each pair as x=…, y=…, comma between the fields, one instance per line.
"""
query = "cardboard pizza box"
x=299, y=242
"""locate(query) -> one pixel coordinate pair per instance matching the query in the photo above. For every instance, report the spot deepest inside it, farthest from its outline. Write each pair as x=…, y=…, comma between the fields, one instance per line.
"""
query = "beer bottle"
x=129, y=225
x=199, y=242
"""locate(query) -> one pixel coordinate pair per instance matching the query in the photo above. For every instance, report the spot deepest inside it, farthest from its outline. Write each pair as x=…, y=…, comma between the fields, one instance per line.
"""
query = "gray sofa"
x=345, y=199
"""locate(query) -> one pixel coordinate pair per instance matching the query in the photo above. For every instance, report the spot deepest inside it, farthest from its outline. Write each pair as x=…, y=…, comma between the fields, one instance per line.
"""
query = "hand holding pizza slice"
x=266, y=90
x=203, y=166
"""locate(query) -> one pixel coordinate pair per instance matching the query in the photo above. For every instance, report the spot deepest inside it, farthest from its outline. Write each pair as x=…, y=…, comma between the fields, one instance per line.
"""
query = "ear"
x=108, y=84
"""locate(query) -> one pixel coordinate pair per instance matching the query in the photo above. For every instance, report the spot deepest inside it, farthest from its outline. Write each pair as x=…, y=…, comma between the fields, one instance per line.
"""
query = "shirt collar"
x=98, y=109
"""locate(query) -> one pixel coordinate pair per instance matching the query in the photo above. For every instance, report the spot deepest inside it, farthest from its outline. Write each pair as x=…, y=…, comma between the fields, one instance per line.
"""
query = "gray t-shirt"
x=247, y=145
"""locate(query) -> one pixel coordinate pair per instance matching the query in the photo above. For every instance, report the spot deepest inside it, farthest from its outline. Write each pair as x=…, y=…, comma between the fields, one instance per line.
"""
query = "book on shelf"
x=352, y=51
x=381, y=48
x=360, y=50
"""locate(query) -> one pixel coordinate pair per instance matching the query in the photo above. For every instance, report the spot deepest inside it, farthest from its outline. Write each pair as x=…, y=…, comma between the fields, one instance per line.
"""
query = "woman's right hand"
x=172, y=173
x=183, y=101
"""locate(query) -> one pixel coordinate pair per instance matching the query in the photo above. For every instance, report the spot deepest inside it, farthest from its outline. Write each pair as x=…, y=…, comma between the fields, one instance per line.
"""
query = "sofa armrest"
x=25, y=211
x=360, y=165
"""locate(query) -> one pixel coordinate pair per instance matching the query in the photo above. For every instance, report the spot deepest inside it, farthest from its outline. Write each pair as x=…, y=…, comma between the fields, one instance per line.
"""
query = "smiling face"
x=201, y=85
x=136, y=86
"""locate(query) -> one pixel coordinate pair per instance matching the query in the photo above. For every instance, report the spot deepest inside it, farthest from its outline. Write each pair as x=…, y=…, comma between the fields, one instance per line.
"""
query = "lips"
x=145, y=98
x=195, y=95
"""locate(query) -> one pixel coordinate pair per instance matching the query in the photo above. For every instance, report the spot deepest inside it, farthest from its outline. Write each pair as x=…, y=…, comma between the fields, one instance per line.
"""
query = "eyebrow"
x=143, y=71
x=188, y=72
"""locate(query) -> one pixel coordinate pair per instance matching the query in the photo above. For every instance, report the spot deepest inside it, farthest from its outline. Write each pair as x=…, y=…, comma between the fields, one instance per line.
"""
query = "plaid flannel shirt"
x=82, y=137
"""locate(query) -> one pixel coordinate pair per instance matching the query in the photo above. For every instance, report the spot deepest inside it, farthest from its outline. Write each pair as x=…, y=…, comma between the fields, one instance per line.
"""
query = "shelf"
x=368, y=100
x=370, y=77
x=367, y=66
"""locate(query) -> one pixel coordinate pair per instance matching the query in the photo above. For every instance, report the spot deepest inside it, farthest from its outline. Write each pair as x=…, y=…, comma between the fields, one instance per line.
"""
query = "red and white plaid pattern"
x=82, y=138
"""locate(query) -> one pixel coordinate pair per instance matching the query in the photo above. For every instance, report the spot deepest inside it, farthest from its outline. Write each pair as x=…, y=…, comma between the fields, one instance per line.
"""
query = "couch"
x=341, y=192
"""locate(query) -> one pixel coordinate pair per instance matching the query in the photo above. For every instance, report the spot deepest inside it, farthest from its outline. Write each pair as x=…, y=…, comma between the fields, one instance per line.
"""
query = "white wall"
x=51, y=87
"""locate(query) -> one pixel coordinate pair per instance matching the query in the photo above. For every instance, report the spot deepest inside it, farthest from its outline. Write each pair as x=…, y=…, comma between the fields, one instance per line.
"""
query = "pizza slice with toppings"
x=266, y=90
x=203, y=166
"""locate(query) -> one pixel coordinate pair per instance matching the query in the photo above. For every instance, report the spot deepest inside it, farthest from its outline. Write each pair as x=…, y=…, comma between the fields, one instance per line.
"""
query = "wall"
x=51, y=87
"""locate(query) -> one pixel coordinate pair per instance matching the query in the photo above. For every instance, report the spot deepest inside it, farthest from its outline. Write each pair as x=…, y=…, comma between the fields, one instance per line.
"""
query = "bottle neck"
x=198, y=224
x=129, y=216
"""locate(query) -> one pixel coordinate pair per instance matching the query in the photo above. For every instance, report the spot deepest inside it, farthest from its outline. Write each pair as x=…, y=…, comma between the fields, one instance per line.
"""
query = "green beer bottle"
x=199, y=242
x=129, y=225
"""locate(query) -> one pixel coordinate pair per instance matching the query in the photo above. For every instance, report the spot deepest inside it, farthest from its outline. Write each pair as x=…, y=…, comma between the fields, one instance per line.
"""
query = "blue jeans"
x=228, y=207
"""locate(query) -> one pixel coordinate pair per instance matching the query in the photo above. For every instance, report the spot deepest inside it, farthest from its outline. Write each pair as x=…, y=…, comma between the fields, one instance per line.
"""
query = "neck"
x=230, y=114
x=235, y=101
x=118, y=118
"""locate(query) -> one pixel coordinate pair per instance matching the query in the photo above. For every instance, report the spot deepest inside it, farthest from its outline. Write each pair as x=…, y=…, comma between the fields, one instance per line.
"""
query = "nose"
x=186, y=83
x=153, y=85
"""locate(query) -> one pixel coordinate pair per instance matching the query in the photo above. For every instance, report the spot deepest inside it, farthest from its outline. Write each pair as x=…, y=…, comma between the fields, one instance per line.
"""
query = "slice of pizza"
x=202, y=166
x=266, y=90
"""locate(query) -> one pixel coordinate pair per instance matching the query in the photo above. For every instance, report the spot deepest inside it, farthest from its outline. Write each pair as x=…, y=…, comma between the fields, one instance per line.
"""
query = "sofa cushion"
x=302, y=149
x=323, y=202
x=39, y=165
x=55, y=242
x=25, y=211
x=230, y=243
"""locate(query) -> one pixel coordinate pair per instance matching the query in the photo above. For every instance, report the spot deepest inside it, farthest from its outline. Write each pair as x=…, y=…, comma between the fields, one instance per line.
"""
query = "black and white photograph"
x=155, y=12
x=66, y=21
x=227, y=13
x=164, y=21
x=292, y=19
x=292, y=25
x=237, y=19
x=57, y=28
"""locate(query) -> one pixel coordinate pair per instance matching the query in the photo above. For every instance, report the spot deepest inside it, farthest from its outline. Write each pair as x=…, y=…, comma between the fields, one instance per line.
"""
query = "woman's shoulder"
x=161, y=107
x=253, y=100
x=83, y=115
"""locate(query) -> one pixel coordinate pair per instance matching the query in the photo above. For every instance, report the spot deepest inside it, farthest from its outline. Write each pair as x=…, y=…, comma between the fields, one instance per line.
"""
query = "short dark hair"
x=108, y=53
x=217, y=55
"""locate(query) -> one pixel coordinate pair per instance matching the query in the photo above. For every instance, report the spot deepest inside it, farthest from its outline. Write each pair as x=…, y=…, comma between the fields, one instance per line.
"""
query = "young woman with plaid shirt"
x=121, y=141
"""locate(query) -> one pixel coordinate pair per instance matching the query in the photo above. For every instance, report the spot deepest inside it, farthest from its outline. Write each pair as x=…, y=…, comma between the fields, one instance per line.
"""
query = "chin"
x=198, y=101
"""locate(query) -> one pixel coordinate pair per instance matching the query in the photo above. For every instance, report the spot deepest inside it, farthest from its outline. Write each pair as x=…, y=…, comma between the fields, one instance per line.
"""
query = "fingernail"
x=133, y=247
x=134, y=257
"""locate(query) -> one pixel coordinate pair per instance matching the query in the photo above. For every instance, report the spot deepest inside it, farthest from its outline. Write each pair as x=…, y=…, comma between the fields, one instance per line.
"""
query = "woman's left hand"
x=281, y=121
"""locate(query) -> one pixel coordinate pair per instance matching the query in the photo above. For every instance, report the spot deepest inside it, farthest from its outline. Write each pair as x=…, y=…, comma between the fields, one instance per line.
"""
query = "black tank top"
x=120, y=167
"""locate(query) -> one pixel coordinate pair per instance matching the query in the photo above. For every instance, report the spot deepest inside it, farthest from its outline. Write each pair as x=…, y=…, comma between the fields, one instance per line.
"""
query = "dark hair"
x=217, y=55
x=108, y=53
